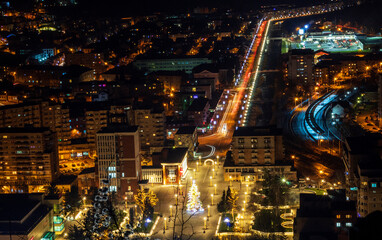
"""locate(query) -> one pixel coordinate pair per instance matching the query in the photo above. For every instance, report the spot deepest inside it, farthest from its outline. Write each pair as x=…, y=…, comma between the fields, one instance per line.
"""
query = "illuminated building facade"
x=255, y=150
x=28, y=159
x=119, y=164
x=38, y=114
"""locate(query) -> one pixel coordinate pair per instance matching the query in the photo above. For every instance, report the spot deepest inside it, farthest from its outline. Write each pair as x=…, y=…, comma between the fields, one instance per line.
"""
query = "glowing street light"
x=165, y=223
x=197, y=166
x=230, y=181
x=209, y=213
x=215, y=188
x=212, y=199
x=205, y=223
x=170, y=210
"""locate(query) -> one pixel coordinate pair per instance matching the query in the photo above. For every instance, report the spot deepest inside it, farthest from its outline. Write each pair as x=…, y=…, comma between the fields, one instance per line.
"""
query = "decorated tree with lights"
x=193, y=203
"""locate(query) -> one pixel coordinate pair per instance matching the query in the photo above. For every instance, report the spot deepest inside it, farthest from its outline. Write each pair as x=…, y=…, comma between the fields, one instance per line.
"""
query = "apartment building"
x=255, y=150
x=187, y=136
x=38, y=114
x=300, y=66
x=363, y=172
x=119, y=164
x=28, y=158
x=151, y=124
x=95, y=120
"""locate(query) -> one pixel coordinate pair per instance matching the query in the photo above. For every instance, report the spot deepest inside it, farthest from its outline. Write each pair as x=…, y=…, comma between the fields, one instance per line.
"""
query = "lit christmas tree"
x=193, y=203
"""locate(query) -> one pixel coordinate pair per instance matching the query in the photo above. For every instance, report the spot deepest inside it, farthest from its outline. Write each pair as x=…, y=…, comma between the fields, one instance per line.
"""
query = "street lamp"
x=209, y=214
x=205, y=223
x=213, y=172
x=194, y=173
x=165, y=223
x=215, y=188
x=247, y=187
x=245, y=196
x=244, y=204
x=210, y=181
x=197, y=166
x=170, y=210
x=176, y=199
x=212, y=199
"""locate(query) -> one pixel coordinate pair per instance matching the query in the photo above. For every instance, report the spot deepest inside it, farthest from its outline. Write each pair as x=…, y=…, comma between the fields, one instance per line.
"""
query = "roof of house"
x=257, y=131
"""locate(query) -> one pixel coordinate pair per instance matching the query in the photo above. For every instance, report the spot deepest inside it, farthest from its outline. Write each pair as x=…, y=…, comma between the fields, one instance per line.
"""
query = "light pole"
x=194, y=173
x=209, y=213
x=197, y=166
x=210, y=181
x=205, y=223
x=176, y=199
x=165, y=223
x=170, y=210
x=245, y=196
x=215, y=188
x=247, y=187
x=212, y=199
x=244, y=204
x=213, y=172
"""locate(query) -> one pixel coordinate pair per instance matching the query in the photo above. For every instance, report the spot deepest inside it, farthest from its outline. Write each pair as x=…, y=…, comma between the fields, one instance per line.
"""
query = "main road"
x=222, y=137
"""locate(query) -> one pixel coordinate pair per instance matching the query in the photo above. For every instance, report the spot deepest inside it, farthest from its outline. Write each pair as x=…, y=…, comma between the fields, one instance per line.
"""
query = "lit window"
x=348, y=224
x=348, y=216
x=338, y=224
x=338, y=216
x=374, y=185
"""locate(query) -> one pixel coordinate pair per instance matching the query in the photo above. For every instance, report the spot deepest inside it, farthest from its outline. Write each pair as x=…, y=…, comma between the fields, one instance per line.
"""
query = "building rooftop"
x=173, y=155
x=301, y=52
x=257, y=131
x=22, y=212
x=186, y=130
x=119, y=128
x=87, y=171
x=198, y=105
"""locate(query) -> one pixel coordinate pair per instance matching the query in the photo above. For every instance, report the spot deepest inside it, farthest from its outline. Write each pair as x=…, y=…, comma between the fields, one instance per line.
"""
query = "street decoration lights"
x=193, y=203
